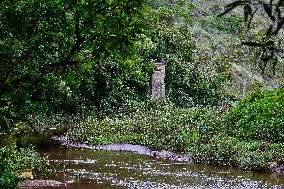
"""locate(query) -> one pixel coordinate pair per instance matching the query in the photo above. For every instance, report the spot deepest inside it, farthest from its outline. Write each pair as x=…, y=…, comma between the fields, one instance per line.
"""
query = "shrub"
x=167, y=128
x=201, y=132
x=259, y=116
x=230, y=151
x=12, y=160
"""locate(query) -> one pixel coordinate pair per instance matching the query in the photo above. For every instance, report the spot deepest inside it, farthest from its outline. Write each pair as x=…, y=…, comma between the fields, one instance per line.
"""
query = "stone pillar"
x=157, y=84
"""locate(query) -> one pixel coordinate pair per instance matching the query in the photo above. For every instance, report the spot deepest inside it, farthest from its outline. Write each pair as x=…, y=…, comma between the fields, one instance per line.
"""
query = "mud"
x=167, y=155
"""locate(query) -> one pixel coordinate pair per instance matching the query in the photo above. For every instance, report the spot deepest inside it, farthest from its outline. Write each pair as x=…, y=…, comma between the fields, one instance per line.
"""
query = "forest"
x=82, y=69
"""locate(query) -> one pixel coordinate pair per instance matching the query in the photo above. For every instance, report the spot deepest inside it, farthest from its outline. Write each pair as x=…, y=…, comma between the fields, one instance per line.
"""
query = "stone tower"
x=157, y=84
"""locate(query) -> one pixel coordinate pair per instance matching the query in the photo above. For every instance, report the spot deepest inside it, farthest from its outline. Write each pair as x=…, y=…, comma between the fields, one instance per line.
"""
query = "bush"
x=230, y=151
x=12, y=160
x=167, y=128
x=201, y=132
x=259, y=116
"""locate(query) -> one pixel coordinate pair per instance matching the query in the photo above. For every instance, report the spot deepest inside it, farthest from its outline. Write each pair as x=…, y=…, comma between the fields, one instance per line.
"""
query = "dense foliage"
x=172, y=38
x=272, y=20
x=259, y=116
x=92, y=61
x=78, y=58
x=52, y=51
x=171, y=128
x=253, y=133
x=204, y=133
x=13, y=160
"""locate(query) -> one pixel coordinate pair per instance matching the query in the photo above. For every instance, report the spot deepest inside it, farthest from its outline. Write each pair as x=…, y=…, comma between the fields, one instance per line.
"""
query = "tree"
x=170, y=39
x=46, y=44
x=273, y=9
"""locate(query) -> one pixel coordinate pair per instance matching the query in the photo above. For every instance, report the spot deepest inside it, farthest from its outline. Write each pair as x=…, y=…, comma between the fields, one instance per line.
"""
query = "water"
x=94, y=169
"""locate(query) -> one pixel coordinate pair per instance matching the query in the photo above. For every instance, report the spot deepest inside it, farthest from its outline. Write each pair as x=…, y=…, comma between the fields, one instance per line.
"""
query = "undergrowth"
x=259, y=116
x=13, y=160
x=206, y=133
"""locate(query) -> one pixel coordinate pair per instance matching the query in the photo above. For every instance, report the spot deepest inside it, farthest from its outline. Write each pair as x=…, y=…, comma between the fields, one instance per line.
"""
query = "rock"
x=124, y=147
x=182, y=157
x=40, y=183
x=168, y=155
x=277, y=168
x=26, y=173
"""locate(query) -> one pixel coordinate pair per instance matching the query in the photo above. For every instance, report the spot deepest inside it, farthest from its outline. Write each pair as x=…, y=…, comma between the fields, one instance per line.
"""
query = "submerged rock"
x=167, y=155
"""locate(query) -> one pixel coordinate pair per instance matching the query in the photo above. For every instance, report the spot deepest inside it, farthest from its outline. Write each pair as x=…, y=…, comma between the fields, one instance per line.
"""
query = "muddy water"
x=94, y=169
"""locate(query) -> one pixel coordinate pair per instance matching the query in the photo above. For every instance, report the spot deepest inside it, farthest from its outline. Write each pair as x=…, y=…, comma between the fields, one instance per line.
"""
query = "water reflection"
x=85, y=169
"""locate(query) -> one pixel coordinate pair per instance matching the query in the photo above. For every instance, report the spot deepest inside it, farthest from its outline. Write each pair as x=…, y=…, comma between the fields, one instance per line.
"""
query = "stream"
x=83, y=168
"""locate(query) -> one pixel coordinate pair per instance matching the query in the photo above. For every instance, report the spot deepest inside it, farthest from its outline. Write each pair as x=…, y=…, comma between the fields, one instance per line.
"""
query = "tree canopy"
x=46, y=45
x=274, y=20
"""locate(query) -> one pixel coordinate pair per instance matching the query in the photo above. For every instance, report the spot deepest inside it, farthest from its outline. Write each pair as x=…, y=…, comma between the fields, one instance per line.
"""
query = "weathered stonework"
x=157, y=84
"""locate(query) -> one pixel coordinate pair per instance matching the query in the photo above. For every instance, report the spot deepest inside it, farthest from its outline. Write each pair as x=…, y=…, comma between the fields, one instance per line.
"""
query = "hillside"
x=219, y=40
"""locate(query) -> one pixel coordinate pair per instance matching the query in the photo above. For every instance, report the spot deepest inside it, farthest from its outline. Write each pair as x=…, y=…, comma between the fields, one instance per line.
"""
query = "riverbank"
x=201, y=132
x=247, y=136
x=166, y=155
x=16, y=164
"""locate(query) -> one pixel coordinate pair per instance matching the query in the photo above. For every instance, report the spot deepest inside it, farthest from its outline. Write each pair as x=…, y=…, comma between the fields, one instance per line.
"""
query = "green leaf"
x=247, y=11
x=252, y=44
